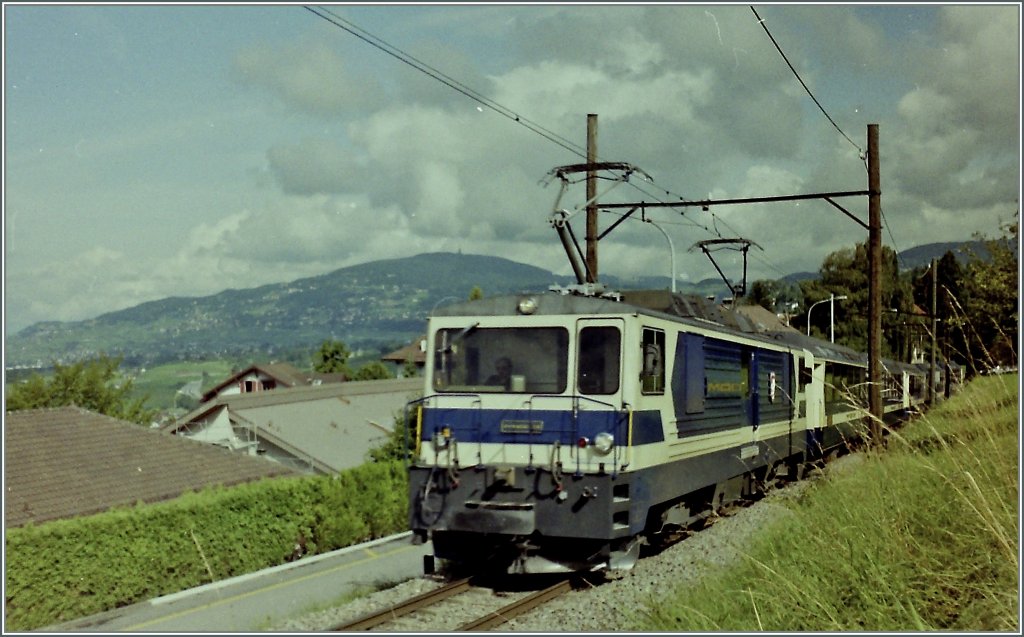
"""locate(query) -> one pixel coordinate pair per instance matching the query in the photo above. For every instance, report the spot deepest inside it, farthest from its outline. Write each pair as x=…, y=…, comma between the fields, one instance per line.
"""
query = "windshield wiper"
x=447, y=346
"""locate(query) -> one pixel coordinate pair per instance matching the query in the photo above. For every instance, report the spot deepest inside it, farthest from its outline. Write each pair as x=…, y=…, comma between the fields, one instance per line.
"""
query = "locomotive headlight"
x=527, y=305
x=603, y=442
x=442, y=438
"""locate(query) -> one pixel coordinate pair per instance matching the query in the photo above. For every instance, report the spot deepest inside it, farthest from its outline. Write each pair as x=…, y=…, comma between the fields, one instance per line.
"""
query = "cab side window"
x=652, y=370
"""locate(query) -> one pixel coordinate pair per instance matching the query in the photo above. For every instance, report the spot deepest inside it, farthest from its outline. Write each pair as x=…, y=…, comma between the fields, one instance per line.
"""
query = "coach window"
x=652, y=374
x=598, y=371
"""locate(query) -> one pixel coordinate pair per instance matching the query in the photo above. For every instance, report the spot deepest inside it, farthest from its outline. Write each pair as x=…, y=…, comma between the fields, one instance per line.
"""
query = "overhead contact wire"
x=504, y=111
x=400, y=55
x=802, y=83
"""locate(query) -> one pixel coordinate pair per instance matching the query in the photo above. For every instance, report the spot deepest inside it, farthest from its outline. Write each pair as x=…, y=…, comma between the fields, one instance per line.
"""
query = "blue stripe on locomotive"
x=524, y=426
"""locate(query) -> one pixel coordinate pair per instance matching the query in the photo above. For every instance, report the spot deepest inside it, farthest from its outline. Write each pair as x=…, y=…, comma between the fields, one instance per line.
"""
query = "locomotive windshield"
x=517, y=360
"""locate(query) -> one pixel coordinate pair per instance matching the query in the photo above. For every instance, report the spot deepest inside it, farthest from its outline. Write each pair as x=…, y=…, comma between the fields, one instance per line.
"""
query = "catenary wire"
x=398, y=54
x=689, y=222
x=820, y=107
x=425, y=68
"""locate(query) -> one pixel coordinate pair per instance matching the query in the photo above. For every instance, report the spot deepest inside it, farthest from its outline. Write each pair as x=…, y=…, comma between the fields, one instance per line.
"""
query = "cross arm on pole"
x=707, y=203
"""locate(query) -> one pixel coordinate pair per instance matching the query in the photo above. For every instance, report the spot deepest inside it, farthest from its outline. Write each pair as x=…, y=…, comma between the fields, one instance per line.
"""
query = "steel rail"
x=531, y=601
x=410, y=605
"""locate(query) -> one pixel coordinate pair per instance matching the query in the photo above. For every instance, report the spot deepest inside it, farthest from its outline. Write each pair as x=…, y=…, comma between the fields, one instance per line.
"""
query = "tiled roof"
x=764, y=320
x=66, y=462
x=411, y=352
x=285, y=374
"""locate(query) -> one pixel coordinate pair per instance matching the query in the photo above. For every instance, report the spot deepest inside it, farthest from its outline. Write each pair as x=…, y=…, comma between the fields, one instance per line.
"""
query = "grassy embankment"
x=921, y=537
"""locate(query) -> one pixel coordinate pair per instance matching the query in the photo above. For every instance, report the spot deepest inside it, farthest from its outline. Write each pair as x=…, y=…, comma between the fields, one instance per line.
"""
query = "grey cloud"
x=453, y=67
x=311, y=76
x=315, y=166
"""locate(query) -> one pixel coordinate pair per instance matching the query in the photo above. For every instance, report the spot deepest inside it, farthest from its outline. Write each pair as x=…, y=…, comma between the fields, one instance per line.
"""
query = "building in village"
x=323, y=428
x=415, y=352
x=267, y=376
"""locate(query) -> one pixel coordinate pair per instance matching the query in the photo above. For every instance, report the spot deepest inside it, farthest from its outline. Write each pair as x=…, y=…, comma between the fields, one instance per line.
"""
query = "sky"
x=156, y=150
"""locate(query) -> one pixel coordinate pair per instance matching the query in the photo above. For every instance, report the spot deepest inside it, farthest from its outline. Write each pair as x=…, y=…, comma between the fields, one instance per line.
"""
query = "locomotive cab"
x=521, y=437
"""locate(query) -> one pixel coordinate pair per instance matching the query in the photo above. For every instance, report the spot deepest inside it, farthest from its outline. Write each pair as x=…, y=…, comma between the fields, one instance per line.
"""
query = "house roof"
x=329, y=426
x=764, y=320
x=411, y=352
x=68, y=461
x=286, y=375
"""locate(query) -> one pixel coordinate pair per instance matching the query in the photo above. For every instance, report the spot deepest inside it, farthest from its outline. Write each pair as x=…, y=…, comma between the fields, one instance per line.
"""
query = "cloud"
x=336, y=153
x=314, y=166
x=310, y=76
x=957, y=138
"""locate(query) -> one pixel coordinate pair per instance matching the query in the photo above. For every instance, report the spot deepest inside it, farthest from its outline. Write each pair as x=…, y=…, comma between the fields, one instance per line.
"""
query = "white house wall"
x=236, y=388
x=214, y=428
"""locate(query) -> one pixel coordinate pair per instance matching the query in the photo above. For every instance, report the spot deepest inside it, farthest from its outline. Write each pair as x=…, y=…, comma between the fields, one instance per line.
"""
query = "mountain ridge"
x=377, y=304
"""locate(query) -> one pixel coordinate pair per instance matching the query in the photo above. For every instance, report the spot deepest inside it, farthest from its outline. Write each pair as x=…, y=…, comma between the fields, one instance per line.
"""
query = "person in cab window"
x=502, y=373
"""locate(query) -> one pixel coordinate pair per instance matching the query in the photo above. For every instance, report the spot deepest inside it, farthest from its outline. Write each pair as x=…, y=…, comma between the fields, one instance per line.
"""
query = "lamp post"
x=452, y=298
x=832, y=313
x=671, y=249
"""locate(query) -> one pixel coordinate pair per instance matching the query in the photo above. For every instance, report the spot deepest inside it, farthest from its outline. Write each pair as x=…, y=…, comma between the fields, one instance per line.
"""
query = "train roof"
x=683, y=308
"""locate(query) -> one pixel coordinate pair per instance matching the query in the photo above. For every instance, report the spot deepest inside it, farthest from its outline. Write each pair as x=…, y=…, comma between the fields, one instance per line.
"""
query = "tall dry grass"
x=923, y=536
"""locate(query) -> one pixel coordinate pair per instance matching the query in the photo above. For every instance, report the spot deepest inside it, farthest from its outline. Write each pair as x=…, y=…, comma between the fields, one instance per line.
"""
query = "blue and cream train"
x=625, y=415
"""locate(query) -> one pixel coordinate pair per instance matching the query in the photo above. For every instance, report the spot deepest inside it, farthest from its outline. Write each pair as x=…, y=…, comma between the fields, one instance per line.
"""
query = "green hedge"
x=67, y=569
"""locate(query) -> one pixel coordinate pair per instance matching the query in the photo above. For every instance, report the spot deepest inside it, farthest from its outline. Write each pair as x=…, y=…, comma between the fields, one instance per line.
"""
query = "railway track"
x=431, y=599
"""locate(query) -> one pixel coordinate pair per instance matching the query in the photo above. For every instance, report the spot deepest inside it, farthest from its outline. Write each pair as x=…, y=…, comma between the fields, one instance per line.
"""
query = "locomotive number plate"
x=522, y=426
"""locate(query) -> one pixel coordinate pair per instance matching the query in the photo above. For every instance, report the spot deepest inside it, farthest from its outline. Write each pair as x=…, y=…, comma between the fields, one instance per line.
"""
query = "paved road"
x=255, y=601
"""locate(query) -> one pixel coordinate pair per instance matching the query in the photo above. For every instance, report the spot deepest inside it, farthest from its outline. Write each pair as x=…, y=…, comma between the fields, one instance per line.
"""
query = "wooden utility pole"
x=592, y=230
x=875, y=286
x=935, y=326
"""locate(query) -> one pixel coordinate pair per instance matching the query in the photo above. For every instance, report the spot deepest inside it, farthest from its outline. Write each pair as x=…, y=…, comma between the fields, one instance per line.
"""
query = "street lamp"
x=832, y=313
x=671, y=249
x=447, y=298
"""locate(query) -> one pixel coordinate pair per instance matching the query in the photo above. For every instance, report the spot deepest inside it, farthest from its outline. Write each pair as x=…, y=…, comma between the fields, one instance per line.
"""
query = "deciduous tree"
x=990, y=293
x=374, y=370
x=332, y=358
x=845, y=272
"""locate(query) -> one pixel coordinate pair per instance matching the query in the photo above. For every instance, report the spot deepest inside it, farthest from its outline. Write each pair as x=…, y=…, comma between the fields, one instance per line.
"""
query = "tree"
x=410, y=369
x=990, y=291
x=764, y=293
x=399, y=444
x=845, y=273
x=332, y=358
x=374, y=370
x=947, y=303
x=476, y=293
x=90, y=384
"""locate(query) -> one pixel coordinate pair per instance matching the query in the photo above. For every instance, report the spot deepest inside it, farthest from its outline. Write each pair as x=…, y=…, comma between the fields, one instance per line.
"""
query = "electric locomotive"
x=616, y=417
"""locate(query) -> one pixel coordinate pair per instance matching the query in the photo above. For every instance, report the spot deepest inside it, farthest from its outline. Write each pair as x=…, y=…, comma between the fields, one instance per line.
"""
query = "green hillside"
x=367, y=305
x=372, y=306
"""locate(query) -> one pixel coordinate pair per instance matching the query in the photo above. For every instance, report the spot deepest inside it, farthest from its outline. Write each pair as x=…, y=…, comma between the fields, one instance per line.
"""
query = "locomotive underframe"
x=520, y=520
